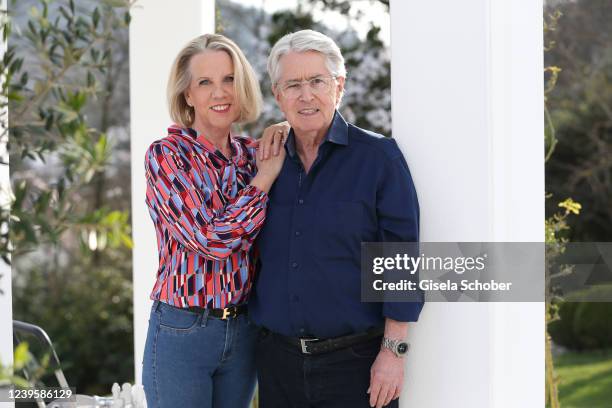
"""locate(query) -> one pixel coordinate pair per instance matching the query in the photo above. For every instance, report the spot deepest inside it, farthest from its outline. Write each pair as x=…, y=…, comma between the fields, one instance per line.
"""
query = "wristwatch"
x=398, y=347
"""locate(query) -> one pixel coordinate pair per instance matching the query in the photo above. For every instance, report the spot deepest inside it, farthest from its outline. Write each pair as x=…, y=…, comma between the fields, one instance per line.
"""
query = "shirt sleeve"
x=398, y=221
x=183, y=201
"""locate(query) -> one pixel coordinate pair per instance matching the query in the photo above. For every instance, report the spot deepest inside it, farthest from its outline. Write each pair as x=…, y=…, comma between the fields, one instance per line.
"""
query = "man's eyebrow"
x=316, y=76
x=308, y=79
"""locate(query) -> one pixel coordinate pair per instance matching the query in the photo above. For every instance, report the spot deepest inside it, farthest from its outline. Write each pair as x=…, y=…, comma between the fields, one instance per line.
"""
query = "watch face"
x=402, y=348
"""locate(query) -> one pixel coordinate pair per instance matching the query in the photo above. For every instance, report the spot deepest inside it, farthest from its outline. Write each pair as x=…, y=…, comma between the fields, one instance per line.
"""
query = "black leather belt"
x=320, y=346
x=225, y=313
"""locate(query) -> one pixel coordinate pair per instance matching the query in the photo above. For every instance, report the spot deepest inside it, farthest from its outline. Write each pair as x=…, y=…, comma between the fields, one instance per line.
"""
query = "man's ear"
x=339, y=89
x=276, y=94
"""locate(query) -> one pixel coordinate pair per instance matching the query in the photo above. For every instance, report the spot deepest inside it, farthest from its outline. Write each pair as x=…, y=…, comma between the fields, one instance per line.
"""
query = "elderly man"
x=340, y=185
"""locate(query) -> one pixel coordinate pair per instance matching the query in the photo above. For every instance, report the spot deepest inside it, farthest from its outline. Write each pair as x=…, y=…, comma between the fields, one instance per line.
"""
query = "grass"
x=585, y=379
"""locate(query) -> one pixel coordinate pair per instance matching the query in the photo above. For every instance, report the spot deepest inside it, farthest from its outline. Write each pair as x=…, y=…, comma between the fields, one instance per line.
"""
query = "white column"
x=467, y=91
x=157, y=32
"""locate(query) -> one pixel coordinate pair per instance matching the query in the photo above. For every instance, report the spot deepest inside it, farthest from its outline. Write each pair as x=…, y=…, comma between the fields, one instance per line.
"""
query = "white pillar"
x=467, y=87
x=157, y=32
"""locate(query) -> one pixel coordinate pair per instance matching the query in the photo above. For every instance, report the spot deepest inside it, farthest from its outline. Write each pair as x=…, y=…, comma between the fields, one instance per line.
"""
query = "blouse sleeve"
x=183, y=202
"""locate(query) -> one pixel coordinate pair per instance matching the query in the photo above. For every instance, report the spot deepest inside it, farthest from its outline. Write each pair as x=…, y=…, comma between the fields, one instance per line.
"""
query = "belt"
x=320, y=346
x=225, y=313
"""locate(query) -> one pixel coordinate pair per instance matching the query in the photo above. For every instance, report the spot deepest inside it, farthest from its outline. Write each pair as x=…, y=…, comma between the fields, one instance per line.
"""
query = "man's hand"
x=268, y=170
x=272, y=140
x=386, y=378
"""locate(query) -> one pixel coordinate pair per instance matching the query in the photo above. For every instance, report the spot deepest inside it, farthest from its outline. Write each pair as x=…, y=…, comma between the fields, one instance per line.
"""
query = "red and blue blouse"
x=206, y=218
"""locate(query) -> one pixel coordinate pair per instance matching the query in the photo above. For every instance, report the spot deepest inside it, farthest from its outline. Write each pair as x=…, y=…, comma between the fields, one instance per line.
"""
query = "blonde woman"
x=207, y=195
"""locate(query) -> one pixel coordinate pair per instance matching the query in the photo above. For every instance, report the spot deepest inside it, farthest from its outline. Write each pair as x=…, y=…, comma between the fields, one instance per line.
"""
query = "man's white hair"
x=303, y=41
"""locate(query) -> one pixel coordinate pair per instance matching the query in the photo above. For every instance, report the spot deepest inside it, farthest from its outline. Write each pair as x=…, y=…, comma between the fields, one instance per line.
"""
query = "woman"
x=208, y=201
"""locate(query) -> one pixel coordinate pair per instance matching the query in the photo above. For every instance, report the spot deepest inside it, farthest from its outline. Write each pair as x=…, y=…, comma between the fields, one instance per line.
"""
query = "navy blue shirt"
x=359, y=189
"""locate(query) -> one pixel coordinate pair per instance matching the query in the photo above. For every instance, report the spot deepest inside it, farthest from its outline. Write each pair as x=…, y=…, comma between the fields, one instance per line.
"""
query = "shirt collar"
x=238, y=153
x=337, y=134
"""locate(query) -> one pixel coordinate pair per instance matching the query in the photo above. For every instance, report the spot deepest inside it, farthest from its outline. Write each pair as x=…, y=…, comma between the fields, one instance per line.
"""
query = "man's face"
x=308, y=106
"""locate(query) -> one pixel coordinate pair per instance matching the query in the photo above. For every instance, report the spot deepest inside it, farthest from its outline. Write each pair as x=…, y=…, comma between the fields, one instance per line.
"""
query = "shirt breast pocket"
x=339, y=229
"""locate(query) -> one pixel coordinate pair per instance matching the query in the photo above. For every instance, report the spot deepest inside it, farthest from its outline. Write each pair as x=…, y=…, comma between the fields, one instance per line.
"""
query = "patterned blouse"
x=206, y=218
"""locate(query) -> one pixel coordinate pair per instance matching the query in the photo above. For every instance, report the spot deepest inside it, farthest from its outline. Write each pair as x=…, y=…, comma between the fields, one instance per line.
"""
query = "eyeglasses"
x=317, y=85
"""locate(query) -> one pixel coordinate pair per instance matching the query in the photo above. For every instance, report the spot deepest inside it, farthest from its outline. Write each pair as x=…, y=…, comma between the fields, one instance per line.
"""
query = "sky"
x=373, y=12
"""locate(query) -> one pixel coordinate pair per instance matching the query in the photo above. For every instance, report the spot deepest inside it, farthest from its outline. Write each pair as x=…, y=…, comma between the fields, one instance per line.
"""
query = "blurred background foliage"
x=65, y=74
x=578, y=112
x=579, y=145
x=580, y=107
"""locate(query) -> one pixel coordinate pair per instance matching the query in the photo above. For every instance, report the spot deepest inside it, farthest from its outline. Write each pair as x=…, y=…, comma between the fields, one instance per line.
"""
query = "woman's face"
x=211, y=91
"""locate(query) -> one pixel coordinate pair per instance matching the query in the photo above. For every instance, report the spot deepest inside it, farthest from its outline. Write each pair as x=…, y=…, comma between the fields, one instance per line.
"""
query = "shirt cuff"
x=403, y=311
x=253, y=191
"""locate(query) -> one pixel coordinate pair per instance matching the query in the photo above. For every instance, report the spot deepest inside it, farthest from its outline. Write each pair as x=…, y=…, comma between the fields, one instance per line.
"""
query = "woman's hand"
x=272, y=140
x=269, y=169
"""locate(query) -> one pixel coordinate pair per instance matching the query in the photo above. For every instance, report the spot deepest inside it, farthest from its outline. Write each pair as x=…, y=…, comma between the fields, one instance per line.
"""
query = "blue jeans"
x=192, y=360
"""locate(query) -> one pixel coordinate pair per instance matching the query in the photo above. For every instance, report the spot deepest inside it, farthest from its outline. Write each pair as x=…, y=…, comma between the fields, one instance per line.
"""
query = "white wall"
x=157, y=32
x=468, y=112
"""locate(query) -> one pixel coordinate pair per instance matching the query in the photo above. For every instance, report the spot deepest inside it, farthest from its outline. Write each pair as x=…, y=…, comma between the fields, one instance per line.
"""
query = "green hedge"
x=583, y=326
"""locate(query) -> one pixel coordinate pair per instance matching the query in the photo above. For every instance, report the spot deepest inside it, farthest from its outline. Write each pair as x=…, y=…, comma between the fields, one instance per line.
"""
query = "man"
x=340, y=185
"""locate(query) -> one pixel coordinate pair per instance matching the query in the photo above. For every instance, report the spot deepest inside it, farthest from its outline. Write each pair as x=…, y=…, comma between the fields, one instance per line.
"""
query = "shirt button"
x=302, y=330
x=295, y=264
x=298, y=233
x=300, y=201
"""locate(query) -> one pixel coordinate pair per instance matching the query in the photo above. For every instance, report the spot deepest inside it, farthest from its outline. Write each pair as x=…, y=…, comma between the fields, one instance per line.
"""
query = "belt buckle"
x=304, y=345
x=227, y=312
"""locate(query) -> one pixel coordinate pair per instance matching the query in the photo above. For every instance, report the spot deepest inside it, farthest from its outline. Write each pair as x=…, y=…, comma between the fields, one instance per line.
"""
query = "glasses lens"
x=292, y=89
x=316, y=85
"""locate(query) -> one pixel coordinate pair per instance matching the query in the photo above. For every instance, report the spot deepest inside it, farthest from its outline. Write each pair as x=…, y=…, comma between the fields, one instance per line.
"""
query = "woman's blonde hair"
x=246, y=85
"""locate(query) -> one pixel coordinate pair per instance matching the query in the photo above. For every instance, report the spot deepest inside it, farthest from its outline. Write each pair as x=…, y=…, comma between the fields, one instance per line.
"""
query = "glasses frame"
x=283, y=87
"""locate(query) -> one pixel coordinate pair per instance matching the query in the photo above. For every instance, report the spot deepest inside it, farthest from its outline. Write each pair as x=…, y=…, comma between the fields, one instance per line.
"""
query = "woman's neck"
x=217, y=136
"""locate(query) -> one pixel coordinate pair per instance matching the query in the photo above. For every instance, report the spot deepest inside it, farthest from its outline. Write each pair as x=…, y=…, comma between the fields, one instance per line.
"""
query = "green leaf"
x=19, y=192
x=127, y=240
x=15, y=96
x=65, y=13
x=91, y=79
x=31, y=27
x=115, y=3
x=39, y=87
x=16, y=66
x=101, y=147
x=49, y=121
x=24, y=78
x=68, y=57
x=21, y=356
x=95, y=18
x=20, y=382
x=34, y=12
